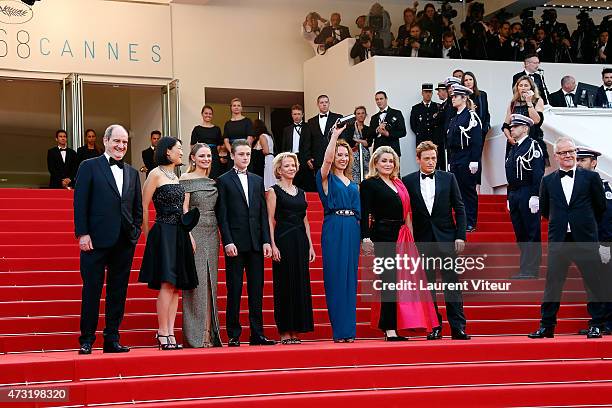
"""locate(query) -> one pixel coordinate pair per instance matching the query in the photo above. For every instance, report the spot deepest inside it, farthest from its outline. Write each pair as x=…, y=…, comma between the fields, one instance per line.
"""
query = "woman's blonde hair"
x=278, y=162
x=348, y=172
x=516, y=95
x=194, y=151
x=373, y=172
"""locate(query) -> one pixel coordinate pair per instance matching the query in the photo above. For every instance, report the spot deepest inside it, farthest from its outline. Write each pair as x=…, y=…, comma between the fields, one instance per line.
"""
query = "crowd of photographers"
x=432, y=33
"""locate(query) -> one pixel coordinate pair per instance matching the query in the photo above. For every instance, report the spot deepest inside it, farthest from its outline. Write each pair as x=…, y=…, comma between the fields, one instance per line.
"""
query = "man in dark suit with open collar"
x=603, y=97
x=434, y=195
x=573, y=201
x=243, y=222
x=297, y=139
x=320, y=127
x=107, y=221
x=532, y=69
x=61, y=162
x=387, y=126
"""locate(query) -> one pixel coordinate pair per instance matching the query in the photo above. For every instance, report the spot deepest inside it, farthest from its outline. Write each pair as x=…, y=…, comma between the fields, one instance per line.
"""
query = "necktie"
x=424, y=176
x=62, y=150
x=323, y=115
x=238, y=171
x=113, y=162
x=569, y=173
x=608, y=89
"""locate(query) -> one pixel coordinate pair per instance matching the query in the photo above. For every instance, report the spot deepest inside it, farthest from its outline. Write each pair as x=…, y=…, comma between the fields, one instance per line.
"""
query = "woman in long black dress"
x=210, y=134
x=167, y=264
x=291, y=251
x=90, y=149
x=238, y=127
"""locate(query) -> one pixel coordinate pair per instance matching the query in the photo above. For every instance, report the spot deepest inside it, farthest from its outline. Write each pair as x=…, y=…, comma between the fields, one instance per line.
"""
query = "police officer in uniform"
x=587, y=159
x=464, y=142
x=445, y=112
x=422, y=117
x=524, y=172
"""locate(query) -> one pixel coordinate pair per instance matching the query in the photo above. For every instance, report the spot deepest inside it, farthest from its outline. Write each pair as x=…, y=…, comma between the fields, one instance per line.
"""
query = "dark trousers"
x=235, y=266
x=560, y=256
x=117, y=261
x=606, y=280
x=467, y=187
x=526, y=230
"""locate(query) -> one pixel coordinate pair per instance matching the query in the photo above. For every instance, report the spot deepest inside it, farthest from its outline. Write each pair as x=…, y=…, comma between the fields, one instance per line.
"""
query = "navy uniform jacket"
x=464, y=138
x=525, y=166
x=605, y=225
x=423, y=122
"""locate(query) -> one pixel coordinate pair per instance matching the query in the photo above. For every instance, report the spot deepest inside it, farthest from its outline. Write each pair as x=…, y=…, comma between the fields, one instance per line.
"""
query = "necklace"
x=292, y=193
x=168, y=174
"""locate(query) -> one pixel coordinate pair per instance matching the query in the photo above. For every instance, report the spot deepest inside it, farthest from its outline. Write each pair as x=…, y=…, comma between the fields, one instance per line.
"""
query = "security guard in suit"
x=524, y=172
x=423, y=117
x=587, y=159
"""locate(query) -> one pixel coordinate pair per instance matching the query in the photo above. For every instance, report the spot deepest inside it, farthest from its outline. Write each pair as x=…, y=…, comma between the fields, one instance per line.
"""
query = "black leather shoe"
x=606, y=331
x=395, y=338
x=436, y=334
x=114, y=347
x=459, y=335
x=261, y=341
x=85, y=348
x=594, y=333
x=542, y=332
x=233, y=342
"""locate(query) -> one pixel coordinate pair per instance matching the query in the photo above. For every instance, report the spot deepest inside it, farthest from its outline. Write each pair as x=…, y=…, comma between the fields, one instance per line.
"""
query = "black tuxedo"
x=600, y=98
x=557, y=99
x=396, y=127
x=435, y=234
x=320, y=140
x=304, y=177
x=453, y=53
x=580, y=246
x=327, y=32
x=148, y=159
x=113, y=221
x=359, y=51
x=58, y=169
x=246, y=226
x=537, y=78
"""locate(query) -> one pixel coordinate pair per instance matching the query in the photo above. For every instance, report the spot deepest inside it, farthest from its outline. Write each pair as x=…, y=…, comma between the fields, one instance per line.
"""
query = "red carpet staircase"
x=40, y=288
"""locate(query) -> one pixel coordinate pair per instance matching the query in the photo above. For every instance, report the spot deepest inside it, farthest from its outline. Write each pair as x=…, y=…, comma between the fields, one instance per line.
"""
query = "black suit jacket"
x=359, y=51
x=439, y=226
x=245, y=226
x=396, y=127
x=148, y=159
x=600, y=98
x=58, y=169
x=320, y=140
x=558, y=100
x=586, y=206
x=538, y=81
x=99, y=210
x=305, y=147
x=326, y=32
x=482, y=109
x=453, y=53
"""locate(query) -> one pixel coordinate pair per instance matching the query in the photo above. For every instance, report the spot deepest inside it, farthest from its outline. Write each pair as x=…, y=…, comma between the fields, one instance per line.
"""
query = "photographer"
x=417, y=45
x=584, y=38
x=498, y=46
x=541, y=46
x=518, y=39
x=476, y=32
x=363, y=47
x=380, y=22
x=448, y=49
x=332, y=35
x=551, y=25
x=562, y=48
x=601, y=51
x=431, y=22
x=311, y=29
x=404, y=30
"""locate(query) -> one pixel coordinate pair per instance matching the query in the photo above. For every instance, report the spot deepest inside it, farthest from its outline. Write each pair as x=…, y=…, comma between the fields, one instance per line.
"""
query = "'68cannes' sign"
x=14, y=12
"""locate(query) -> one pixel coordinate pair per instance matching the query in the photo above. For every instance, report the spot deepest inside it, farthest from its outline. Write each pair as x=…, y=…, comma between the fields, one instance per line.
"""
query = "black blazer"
x=326, y=32
x=453, y=53
x=557, y=99
x=538, y=81
x=359, y=51
x=148, y=159
x=600, y=98
x=245, y=226
x=585, y=209
x=305, y=147
x=99, y=210
x=439, y=226
x=58, y=169
x=396, y=127
x=320, y=140
x=482, y=109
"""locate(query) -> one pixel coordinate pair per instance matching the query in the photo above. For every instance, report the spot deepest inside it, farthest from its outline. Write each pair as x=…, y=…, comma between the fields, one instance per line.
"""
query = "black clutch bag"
x=190, y=219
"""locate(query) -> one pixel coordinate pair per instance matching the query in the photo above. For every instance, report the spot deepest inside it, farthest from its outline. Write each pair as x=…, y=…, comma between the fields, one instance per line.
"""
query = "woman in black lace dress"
x=168, y=264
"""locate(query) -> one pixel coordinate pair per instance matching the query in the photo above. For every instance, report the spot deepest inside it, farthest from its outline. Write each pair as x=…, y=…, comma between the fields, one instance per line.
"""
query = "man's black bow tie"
x=62, y=150
x=240, y=171
x=323, y=115
x=608, y=89
x=118, y=163
x=569, y=173
x=424, y=176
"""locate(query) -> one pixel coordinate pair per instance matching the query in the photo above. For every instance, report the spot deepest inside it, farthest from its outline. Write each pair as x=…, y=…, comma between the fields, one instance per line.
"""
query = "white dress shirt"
x=244, y=180
x=568, y=98
x=62, y=153
x=117, y=174
x=608, y=94
x=445, y=52
x=414, y=52
x=295, y=146
x=568, y=185
x=383, y=116
x=428, y=191
x=323, y=122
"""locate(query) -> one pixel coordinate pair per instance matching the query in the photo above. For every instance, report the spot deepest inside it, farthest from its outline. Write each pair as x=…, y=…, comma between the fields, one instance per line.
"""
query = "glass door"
x=72, y=109
x=171, y=114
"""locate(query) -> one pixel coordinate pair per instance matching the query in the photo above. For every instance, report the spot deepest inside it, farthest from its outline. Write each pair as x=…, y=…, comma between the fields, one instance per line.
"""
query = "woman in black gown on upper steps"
x=209, y=134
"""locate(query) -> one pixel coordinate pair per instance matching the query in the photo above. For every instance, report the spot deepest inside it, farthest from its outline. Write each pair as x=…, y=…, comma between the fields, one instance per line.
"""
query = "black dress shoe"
x=233, y=342
x=261, y=341
x=85, y=348
x=594, y=333
x=436, y=334
x=459, y=335
x=114, y=347
x=395, y=338
x=542, y=332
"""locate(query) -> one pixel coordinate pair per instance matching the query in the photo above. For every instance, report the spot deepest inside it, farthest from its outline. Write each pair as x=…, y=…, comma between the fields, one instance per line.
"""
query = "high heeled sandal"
x=163, y=346
x=175, y=345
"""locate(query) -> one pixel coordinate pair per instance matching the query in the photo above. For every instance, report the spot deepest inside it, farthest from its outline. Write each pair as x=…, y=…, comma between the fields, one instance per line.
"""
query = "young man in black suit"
x=603, y=97
x=61, y=162
x=243, y=222
x=320, y=128
x=334, y=33
x=566, y=96
x=107, y=222
x=532, y=68
x=434, y=195
x=573, y=201
x=148, y=154
x=296, y=139
x=387, y=126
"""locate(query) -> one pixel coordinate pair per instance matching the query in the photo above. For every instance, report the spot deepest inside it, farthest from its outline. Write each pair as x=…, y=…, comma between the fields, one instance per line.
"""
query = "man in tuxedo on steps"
x=243, y=221
x=320, y=128
x=61, y=162
x=387, y=126
x=107, y=222
x=148, y=154
x=532, y=69
x=603, y=97
x=434, y=195
x=297, y=139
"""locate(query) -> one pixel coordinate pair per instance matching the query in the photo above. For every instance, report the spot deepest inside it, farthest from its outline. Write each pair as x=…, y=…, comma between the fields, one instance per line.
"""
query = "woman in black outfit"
x=90, y=150
x=481, y=101
x=259, y=148
x=238, y=127
x=209, y=134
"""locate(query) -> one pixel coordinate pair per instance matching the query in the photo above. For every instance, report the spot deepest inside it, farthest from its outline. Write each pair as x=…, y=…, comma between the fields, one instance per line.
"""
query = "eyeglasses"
x=566, y=153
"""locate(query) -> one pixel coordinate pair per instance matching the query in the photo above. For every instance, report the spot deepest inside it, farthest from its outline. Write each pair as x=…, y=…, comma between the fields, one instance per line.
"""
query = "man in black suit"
x=296, y=139
x=532, y=69
x=61, y=162
x=448, y=49
x=603, y=97
x=573, y=201
x=148, y=154
x=320, y=127
x=566, y=96
x=387, y=126
x=423, y=117
x=334, y=33
x=498, y=45
x=107, y=222
x=434, y=195
x=243, y=222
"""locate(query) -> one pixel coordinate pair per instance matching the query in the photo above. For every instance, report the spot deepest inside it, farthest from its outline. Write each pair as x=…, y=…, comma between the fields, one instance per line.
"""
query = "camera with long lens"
x=528, y=22
x=447, y=11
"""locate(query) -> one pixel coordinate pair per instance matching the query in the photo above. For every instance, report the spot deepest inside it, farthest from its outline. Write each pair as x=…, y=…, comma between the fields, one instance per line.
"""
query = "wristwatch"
x=366, y=240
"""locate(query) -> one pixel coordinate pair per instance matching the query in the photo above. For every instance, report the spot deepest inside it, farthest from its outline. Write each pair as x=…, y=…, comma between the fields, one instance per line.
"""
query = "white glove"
x=473, y=167
x=508, y=205
x=534, y=204
x=604, y=254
